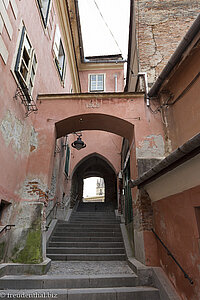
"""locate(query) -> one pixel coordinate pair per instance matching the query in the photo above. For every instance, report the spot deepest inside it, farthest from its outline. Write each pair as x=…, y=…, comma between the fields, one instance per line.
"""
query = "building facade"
x=166, y=193
x=52, y=96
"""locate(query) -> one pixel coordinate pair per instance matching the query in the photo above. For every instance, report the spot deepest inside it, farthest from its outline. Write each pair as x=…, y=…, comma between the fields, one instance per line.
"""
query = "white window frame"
x=59, y=52
x=90, y=89
x=26, y=64
x=44, y=14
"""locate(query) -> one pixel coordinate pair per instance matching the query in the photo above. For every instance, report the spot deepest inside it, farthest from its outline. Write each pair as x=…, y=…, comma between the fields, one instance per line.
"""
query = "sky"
x=104, y=32
x=97, y=38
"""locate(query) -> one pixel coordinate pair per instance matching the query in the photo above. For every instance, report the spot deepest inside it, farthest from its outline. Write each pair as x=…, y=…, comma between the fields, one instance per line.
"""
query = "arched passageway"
x=95, y=121
x=94, y=165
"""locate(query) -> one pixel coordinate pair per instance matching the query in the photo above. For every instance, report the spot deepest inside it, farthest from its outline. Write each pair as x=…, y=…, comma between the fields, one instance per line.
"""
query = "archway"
x=95, y=121
x=94, y=165
x=52, y=129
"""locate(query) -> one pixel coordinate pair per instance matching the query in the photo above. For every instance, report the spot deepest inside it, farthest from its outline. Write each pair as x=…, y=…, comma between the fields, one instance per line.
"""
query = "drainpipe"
x=115, y=82
x=144, y=75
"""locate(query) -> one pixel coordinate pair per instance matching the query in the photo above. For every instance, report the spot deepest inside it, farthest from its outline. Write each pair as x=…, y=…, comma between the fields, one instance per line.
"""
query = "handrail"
x=56, y=204
x=76, y=203
x=172, y=256
x=6, y=227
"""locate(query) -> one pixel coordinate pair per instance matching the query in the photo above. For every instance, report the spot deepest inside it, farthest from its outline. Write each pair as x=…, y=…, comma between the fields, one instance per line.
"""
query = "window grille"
x=23, y=94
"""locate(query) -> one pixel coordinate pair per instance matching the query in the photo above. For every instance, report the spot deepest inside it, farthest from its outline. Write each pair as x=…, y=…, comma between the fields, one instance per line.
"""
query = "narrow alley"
x=75, y=108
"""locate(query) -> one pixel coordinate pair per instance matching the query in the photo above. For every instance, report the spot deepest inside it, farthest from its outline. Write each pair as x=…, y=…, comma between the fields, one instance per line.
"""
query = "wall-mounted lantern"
x=78, y=144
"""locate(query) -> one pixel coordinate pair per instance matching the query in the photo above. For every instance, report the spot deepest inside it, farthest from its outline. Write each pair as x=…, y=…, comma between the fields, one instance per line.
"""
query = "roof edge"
x=185, y=152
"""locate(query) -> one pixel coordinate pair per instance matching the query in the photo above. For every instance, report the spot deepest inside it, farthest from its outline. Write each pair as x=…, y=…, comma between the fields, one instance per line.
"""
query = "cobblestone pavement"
x=89, y=268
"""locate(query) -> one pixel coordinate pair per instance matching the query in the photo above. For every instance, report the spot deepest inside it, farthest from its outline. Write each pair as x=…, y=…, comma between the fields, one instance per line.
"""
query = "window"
x=96, y=82
x=59, y=53
x=44, y=6
x=26, y=63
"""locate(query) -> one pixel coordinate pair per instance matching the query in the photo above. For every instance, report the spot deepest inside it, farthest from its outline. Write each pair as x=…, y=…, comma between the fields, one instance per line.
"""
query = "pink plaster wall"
x=109, y=79
x=13, y=157
x=103, y=143
x=178, y=227
x=132, y=109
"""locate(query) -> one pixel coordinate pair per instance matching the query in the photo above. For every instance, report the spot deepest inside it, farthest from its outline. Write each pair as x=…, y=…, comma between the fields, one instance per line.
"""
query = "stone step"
x=86, y=239
x=88, y=217
x=93, y=217
x=87, y=244
x=88, y=229
x=119, y=293
x=114, y=220
x=81, y=225
x=94, y=222
x=83, y=234
x=69, y=282
x=87, y=257
x=62, y=250
x=90, y=221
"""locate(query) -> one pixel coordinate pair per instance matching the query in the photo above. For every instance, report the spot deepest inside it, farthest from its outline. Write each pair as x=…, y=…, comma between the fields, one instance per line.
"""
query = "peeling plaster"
x=33, y=140
x=152, y=147
x=21, y=136
x=33, y=189
x=52, y=191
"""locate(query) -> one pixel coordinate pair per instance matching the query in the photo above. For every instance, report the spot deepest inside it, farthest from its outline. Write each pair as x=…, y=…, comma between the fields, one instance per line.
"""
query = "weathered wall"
x=144, y=242
x=175, y=204
x=184, y=85
x=18, y=135
x=177, y=225
x=160, y=27
x=24, y=242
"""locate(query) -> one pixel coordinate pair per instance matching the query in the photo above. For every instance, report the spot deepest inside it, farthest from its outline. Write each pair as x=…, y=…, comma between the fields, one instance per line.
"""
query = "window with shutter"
x=44, y=6
x=26, y=64
x=59, y=53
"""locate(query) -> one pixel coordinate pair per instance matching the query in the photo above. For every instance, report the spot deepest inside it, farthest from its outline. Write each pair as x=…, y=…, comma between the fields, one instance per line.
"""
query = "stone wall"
x=161, y=25
x=24, y=242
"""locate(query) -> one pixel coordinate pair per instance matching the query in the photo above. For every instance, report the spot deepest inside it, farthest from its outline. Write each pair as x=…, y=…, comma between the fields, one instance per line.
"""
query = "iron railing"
x=172, y=256
x=6, y=228
x=51, y=211
x=26, y=99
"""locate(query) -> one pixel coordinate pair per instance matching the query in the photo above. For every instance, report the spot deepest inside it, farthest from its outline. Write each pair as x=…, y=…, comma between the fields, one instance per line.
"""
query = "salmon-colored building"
x=166, y=223
x=144, y=144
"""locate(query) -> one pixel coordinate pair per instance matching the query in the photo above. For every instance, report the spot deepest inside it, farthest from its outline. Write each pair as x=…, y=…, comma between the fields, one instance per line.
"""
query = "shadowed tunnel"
x=94, y=165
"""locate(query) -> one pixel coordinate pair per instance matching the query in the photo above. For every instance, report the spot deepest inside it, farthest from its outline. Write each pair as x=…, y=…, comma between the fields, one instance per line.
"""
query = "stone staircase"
x=89, y=235
x=88, y=263
x=104, y=287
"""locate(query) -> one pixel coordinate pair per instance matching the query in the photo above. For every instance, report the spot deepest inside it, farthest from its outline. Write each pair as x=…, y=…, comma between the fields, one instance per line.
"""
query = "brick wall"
x=161, y=25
